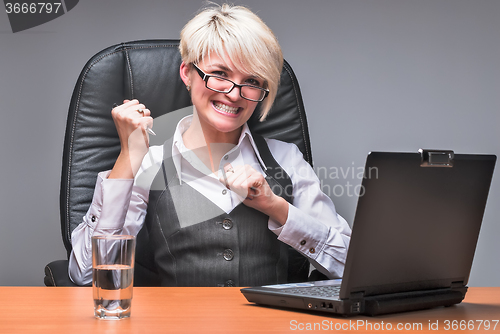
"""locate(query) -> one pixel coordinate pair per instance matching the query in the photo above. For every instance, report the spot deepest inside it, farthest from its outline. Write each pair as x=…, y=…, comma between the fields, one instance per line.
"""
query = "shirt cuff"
x=302, y=232
x=110, y=203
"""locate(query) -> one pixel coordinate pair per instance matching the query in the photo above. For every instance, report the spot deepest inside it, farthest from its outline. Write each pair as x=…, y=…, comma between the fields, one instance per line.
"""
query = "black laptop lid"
x=417, y=222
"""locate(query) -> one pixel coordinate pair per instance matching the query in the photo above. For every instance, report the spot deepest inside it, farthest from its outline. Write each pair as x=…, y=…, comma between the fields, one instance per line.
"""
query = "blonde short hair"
x=237, y=32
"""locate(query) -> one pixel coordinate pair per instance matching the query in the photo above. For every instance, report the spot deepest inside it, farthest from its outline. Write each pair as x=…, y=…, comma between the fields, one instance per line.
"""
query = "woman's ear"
x=184, y=72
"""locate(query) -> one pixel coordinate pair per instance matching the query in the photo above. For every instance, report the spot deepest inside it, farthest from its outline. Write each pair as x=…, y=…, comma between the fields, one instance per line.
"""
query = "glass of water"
x=113, y=258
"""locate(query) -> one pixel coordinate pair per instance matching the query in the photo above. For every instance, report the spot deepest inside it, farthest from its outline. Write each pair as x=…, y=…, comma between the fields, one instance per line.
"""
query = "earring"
x=188, y=88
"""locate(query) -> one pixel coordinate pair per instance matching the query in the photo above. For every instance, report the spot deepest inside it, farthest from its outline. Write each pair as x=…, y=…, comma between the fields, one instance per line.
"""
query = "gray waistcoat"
x=231, y=249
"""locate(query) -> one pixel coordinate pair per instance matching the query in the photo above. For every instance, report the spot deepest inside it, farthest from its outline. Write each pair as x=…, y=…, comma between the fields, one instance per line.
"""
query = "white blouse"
x=119, y=206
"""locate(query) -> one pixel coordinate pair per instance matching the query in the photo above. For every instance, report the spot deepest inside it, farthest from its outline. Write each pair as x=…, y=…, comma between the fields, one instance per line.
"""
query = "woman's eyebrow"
x=221, y=66
x=224, y=67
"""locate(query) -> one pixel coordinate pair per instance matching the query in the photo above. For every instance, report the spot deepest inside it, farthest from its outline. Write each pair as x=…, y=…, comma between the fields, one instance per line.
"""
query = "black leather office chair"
x=149, y=71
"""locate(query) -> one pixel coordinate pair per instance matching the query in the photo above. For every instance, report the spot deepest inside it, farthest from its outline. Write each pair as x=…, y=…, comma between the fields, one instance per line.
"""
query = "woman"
x=204, y=196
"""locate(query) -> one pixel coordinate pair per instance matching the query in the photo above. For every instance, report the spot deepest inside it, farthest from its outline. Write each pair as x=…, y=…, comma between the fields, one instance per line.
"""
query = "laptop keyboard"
x=316, y=291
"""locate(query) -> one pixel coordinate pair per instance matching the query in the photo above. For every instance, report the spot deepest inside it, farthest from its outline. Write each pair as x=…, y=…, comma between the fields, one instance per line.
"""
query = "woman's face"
x=219, y=112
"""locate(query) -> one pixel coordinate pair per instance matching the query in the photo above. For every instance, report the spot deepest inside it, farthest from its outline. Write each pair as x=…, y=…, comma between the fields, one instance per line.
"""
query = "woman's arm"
x=310, y=224
x=313, y=226
x=106, y=215
x=118, y=206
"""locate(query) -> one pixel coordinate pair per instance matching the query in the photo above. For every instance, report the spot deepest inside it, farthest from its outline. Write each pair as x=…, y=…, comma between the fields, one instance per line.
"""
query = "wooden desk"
x=216, y=310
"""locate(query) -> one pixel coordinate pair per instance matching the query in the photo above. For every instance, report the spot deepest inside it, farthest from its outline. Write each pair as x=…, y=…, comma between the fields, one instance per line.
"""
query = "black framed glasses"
x=223, y=85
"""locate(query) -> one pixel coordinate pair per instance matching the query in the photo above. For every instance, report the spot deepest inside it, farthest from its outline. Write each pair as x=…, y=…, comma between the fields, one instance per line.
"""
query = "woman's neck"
x=209, y=146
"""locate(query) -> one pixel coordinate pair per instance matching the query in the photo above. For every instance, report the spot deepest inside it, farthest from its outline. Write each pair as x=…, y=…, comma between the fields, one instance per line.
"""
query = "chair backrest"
x=149, y=71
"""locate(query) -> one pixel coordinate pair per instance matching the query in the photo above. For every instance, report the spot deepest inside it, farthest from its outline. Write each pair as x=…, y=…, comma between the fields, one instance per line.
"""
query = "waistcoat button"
x=227, y=224
x=228, y=254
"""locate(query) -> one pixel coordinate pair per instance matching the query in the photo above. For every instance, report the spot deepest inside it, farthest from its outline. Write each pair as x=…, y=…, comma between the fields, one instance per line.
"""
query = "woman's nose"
x=234, y=94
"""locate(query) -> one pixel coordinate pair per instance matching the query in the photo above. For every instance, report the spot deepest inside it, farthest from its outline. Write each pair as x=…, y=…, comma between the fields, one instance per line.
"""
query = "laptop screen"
x=417, y=223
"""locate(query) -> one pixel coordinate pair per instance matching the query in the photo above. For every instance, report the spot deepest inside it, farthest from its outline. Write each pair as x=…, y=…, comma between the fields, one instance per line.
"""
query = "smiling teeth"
x=225, y=108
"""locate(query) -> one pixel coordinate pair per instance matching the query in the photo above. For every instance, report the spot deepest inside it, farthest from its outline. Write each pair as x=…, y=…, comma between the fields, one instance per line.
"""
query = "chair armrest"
x=56, y=274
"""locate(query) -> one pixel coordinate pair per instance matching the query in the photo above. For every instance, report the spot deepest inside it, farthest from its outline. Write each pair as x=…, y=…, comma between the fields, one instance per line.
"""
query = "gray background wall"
x=375, y=75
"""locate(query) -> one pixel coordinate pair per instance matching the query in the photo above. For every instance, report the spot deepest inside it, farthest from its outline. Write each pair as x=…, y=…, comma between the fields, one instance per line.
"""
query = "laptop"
x=413, y=239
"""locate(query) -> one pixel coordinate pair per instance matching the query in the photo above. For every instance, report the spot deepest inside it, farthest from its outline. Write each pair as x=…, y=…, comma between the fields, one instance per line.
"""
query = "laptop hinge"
x=457, y=284
x=357, y=295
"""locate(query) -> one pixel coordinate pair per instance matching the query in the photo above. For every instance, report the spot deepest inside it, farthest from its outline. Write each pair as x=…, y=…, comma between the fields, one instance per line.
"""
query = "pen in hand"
x=148, y=129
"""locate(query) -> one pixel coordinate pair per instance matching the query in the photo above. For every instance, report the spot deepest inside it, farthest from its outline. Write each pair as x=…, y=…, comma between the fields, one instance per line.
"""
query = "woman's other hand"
x=255, y=192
